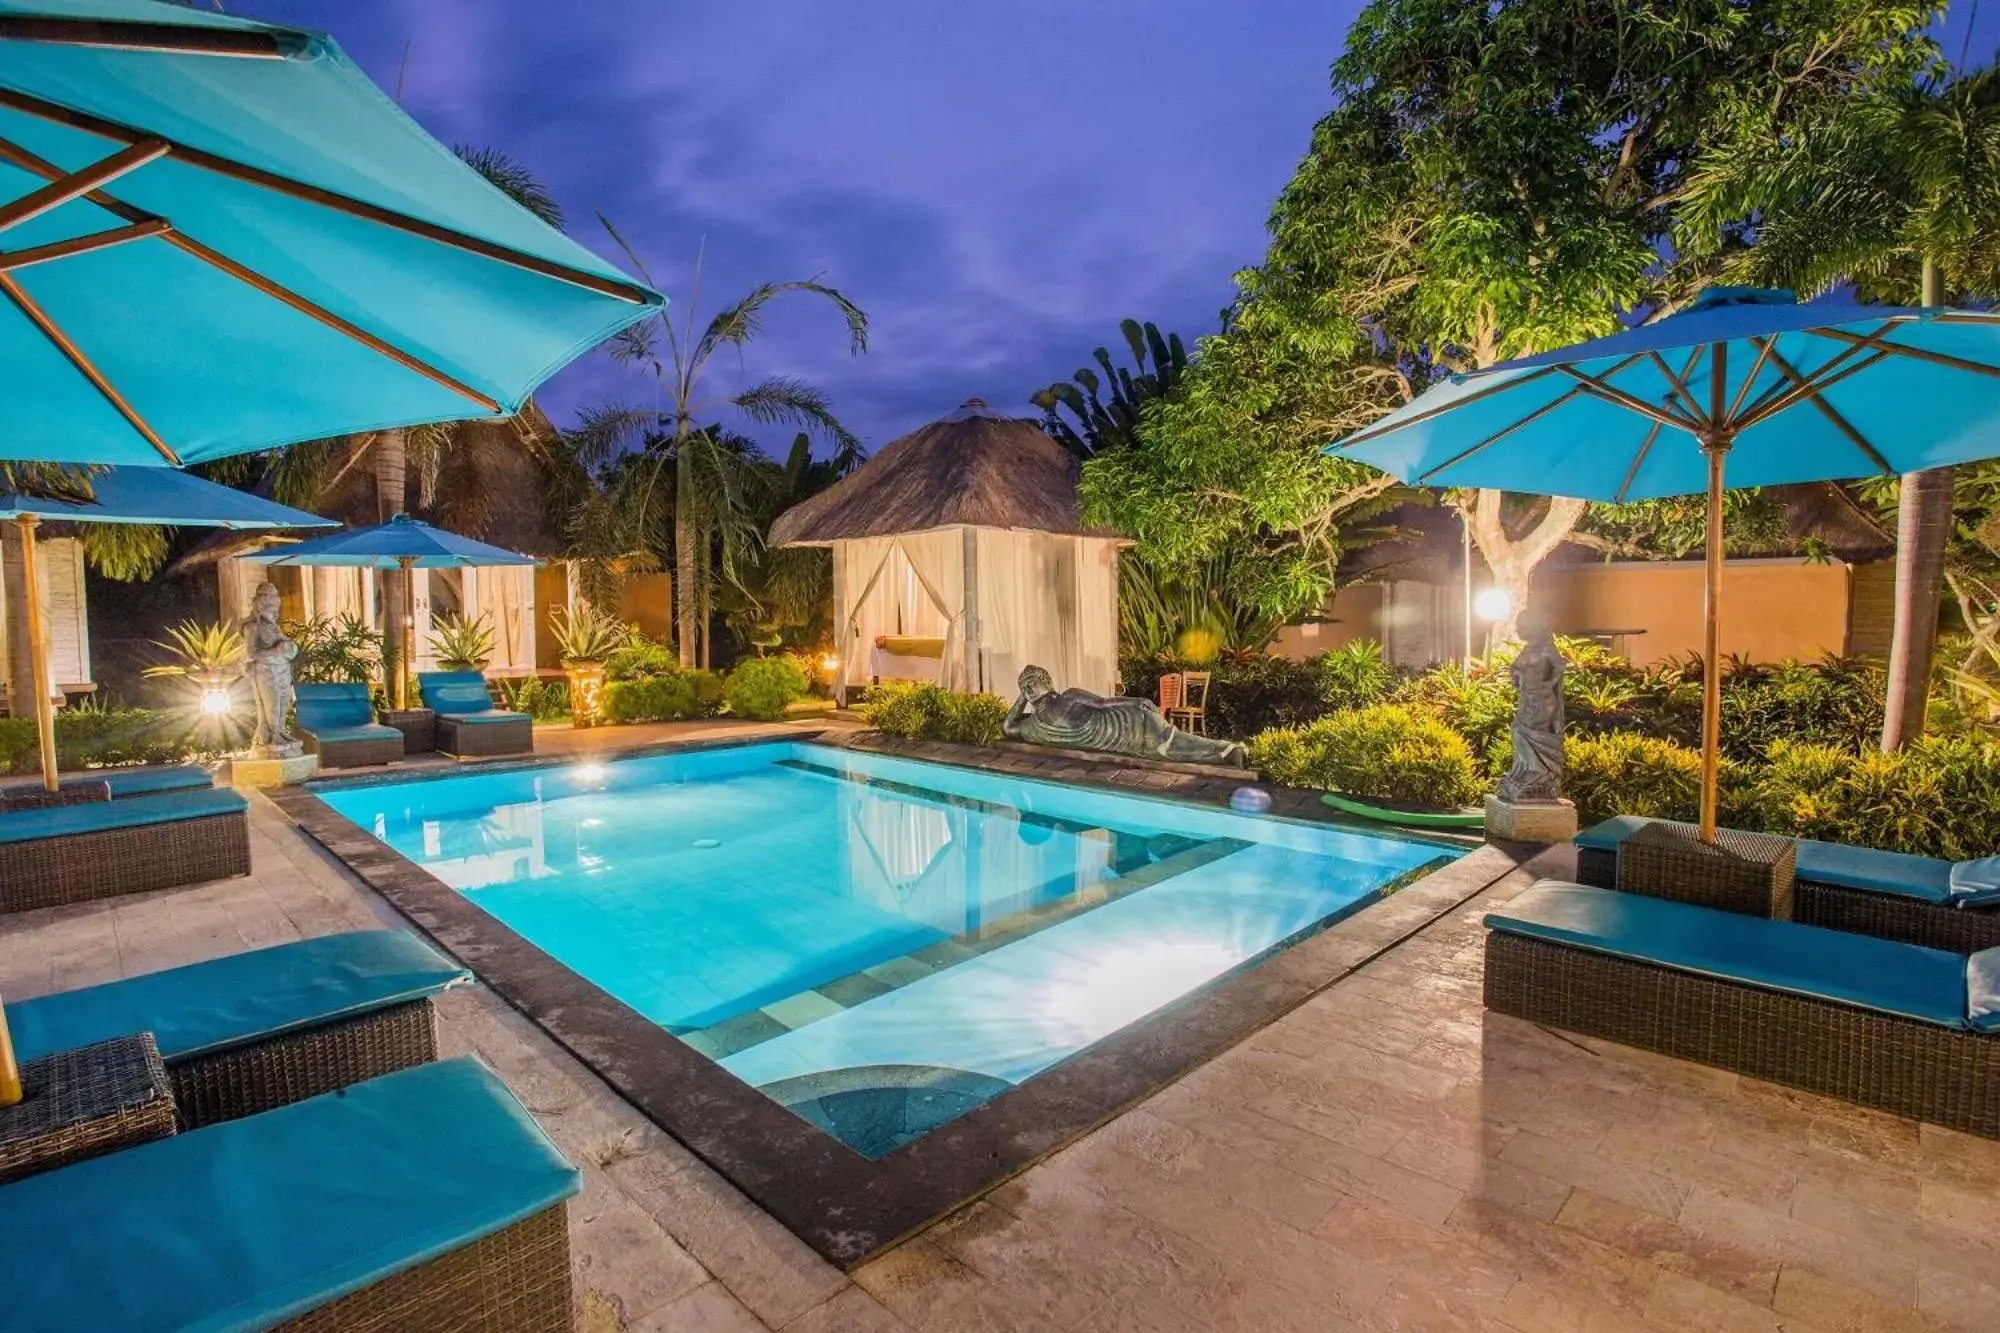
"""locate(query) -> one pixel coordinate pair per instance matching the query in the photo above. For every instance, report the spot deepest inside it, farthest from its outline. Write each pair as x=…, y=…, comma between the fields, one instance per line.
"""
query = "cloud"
x=996, y=185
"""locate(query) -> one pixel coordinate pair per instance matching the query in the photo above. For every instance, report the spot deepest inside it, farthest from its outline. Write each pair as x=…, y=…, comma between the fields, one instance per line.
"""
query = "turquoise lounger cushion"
x=1605, y=835
x=1982, y=991
x=245, y=997
x=132, y=812
x=489, y=716
x=1976, y=883
x=1884, y=975
x=252, y=1222
x=449, y=693
x=321, y=708
x=1873, y=869
x=146, y=781
x=371, y=731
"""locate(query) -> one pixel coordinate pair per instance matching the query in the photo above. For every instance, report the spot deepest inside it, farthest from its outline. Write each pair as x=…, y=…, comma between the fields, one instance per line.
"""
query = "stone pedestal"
x=1530, y=821
x=253, y=772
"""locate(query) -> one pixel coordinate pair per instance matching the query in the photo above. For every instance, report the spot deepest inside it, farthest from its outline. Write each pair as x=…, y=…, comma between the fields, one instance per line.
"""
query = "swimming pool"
x=877, y=944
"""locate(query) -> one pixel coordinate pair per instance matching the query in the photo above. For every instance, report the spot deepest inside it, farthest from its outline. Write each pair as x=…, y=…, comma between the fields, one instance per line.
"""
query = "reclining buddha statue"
x=1080, y=720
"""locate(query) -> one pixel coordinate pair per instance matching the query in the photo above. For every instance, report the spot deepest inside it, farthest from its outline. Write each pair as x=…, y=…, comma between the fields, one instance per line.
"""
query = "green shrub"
x=1938, y=796
x=1258, y=693
x=95, y=737
x=708, y=689
x=1477, y=702
x=763, y=687
x=543, y=700
x=655, y=699
x=1385, y=751
x=1621, y=773
x=640, y=659
x=932, y=713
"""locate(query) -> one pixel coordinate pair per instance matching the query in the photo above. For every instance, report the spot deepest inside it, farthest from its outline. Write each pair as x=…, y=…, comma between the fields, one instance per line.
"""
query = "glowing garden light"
x=1492, y=605
x=215, y=701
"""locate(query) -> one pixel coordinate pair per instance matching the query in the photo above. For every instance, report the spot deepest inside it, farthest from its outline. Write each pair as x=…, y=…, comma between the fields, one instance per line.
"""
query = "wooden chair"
x=1170, y=692
x=1190, y=711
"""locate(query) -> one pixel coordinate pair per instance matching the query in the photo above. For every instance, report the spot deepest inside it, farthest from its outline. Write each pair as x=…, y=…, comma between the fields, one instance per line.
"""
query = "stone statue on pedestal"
x=268, y=658
x=1080, y=720
x=1528, y=803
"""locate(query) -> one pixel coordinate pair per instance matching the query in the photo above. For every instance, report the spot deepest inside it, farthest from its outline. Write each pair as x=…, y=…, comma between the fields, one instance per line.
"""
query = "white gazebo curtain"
x=1000, y=599
x=909, y=585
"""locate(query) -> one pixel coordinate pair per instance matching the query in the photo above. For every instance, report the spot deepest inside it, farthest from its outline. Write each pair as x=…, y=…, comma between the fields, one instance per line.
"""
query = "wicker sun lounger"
x=105, y=784
x=1905, y=1029
x=468, y=725
x=338, y=723
x=427, y=1199
x=255, y=1030
x=1890, y=895
x=78, y=853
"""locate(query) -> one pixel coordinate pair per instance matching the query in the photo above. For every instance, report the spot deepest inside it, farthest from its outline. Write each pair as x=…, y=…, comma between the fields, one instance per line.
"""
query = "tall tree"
x=1094, y=423
x=1900, y=196
x=679, y=359
x=1495, y=179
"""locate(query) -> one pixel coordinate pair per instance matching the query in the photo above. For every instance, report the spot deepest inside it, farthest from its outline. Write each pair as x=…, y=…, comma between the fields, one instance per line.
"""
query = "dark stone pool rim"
x=845, y=1206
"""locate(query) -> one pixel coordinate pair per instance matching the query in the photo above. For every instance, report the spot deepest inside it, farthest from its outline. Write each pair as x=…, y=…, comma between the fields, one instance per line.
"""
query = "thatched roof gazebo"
x=958, y=556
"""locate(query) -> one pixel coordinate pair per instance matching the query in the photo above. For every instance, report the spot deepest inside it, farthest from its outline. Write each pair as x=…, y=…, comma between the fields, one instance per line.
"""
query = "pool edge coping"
x=846, y=1207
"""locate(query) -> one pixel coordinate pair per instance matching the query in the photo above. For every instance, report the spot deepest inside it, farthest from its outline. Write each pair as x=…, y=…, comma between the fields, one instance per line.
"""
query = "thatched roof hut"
x=958, y=556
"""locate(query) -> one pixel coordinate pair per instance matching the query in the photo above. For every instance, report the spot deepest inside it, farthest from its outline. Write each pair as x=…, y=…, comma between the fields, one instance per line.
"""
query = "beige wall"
x=1771, y=609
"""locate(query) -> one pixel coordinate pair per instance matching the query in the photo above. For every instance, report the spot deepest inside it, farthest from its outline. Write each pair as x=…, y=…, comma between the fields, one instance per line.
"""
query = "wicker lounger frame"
x=1889, y=916
x=355, y=754
x=107, y=863
x=1899, y=1065
x=245, y=1080
x=513, y=1281
x=480, y=740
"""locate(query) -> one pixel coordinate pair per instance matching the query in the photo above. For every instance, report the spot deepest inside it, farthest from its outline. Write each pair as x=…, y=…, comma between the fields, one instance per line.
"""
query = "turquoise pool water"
x=877, y=943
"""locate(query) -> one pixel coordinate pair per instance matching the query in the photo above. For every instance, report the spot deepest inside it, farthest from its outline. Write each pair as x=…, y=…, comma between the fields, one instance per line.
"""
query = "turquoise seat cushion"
x=368, y=731
x=1875, y=870
x=328, y=707
x=18, y=826
x=1883, y=975
x=247, y=997
x=1982, y=991
x=252, y=1222
x=1605, y=835
x=489, y=716
x=1976, y=883
x=147, y=781
x=449, y=693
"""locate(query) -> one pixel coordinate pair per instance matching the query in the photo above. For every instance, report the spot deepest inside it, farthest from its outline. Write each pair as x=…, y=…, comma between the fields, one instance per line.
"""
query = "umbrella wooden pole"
x=408, y=635
x=10, y=1072
x=38, y=649
x=1711, y=670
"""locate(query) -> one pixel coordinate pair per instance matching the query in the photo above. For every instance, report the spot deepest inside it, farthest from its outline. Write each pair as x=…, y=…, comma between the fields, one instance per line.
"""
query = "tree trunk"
x=390, y=459
x=684, y=538
x=1513, y=560
x=1923, y=531
x=704, y=612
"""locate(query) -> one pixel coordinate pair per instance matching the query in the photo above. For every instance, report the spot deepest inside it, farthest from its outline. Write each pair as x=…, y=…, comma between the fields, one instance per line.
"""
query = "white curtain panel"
x=1049, y=601
x=911, y=584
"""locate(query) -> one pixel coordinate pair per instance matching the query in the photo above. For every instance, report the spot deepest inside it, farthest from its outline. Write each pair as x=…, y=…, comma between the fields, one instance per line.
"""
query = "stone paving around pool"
x=1386, y=1156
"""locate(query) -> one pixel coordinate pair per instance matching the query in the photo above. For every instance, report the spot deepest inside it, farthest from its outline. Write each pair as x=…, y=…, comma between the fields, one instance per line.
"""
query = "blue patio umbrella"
x=216, y=235
x=1748, y=377
x=162, y=496
x=403, y=543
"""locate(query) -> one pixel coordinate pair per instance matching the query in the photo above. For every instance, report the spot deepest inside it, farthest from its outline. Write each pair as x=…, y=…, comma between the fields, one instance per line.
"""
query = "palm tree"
x=706, y=474
x=1901, y=198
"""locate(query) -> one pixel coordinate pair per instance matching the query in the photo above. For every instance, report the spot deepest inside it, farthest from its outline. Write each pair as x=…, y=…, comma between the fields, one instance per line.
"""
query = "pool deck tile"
x=1582, y=1186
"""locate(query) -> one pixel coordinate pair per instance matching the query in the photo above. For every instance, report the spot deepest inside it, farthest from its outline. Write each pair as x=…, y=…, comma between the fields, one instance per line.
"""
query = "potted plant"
x=461, y=643
x=586, y=637
x=209, y=657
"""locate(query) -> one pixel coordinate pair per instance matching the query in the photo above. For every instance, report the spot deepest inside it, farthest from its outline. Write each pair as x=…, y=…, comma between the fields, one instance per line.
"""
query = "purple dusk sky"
x=997, y=185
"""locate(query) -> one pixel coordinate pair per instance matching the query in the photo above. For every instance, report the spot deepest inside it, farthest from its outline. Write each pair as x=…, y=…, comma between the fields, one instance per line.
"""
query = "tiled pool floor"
x=1385, y=1157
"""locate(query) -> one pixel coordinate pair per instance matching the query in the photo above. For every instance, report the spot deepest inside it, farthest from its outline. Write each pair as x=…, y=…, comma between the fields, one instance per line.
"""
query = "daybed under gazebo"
x=958, y=557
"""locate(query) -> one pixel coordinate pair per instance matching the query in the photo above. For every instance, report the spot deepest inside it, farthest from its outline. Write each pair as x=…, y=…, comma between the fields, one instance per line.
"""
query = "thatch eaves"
x=974, y=468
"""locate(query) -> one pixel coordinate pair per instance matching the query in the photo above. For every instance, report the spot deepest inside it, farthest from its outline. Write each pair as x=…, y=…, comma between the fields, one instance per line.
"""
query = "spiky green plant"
x=205, y=652
x=587, y=635
x=461, y=643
